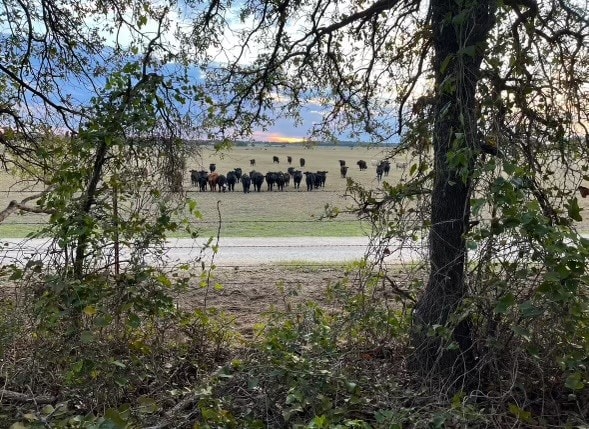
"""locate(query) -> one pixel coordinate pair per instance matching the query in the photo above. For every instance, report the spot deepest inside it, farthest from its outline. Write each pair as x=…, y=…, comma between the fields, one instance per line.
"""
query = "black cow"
x=302, y=162
x=257, y=179
x=342, y=162
x=238, y=173
x=320, y=178
x=246, y=183
x=297, y=177
x=362, y=164
x=231, y=180
x=289, y=159
x=343, y=170
x=281, y=180
x=194, y=177
x=387, y=167
x=212, y=167
x=201, y=179
x=252, y=162
x=286, y=178
x=290, y=170
x=379, y=171
x=310, y=180
x=222, y=182
x=271, y=178
x=275, y=160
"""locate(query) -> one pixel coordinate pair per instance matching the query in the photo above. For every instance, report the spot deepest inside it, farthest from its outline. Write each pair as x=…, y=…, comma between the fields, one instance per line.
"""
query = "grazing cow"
x=584, y=191
x=342, y=162
x=238, y=173
x=213, y=180
x=289, y=159
x=379, y=171
x=343, y=170
x=257, y=179
x=222, y=182
x=246, y=183
x=362, y=164
x=302, y=162
x=212, y=167
x=252, y=162
x=194, y=177
x=275, y=160
x=231, y=180
x=297, y=177
x=310, y=180
x=386, y=167
x=203, y=180
x=271, y=178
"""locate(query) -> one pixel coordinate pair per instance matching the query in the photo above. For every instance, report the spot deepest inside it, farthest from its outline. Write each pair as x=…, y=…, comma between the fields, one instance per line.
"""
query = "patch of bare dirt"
x=246, y=293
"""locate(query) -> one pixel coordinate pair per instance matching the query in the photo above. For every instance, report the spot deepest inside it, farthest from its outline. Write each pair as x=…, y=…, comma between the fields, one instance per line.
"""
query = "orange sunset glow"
x=275, y=137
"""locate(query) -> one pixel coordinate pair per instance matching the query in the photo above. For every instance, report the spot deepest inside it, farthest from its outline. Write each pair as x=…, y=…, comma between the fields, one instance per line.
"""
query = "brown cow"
x=213, y=179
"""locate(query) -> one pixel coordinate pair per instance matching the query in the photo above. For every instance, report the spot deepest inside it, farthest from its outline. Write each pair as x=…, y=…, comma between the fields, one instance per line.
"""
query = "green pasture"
x=279, y=214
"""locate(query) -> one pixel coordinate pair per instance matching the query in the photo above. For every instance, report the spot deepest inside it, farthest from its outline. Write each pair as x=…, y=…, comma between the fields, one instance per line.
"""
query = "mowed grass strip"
x=292, y=213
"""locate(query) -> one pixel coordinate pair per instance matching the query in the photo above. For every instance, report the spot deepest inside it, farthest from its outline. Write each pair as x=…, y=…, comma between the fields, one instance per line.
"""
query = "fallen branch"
x=9, y=395
x=15, y=205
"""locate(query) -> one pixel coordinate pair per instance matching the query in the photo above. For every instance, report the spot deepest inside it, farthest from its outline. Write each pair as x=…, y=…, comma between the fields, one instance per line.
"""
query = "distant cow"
x=320, y=178
x=257, y=179
x=194, y=177
x=222, y=183
x=379, y=171
x=238, y=173
x=212, y=167
x=297, y=177
x=310, y=180
x=213, y=180
x=289, y=159
x=231, y=180
x=252, y=162
x=386, y=167
x=271, y=178
x=343, y=170
x=246, y=183
x=275, y=160
x=302, y=162
x=362, y=164
x=342, y=162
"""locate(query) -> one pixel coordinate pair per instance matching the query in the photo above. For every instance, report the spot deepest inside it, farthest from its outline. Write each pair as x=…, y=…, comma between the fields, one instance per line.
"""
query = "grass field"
x=281, y=214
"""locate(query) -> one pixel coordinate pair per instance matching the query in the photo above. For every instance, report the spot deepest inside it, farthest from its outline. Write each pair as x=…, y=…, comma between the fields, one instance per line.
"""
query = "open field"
x=294, y=212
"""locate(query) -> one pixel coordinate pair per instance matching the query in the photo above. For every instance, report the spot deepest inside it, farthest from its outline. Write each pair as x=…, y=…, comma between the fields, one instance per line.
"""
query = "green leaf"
x=574, y=381
x=522, y=415
x=504, y=303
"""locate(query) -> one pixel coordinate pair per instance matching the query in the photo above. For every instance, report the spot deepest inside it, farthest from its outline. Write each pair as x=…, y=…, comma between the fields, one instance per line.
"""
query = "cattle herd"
x=275, y=180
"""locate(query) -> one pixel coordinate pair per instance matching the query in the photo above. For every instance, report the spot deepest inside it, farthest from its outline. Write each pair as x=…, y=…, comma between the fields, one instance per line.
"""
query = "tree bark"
x=442, y=347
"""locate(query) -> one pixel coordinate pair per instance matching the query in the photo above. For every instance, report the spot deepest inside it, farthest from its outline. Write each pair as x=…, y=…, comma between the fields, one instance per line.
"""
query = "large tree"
x=489, y=97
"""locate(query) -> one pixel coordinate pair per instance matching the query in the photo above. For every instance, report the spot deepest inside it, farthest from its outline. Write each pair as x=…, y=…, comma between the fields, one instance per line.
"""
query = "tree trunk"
x=457, y=68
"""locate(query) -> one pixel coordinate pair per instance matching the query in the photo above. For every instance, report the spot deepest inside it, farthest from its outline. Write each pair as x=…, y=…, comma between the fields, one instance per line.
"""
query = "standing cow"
x=194, y=177
x=343, y=171
x=302, y=162
x=342, y=162
x=245, y=182
x=257, y=179
x=310, y=180
x=275, y=160
x=297, y=177
x=213, y=180
x=289, y=160
x=362, y=165
x=212, y=167
x=252, y=162
x=231, y=180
